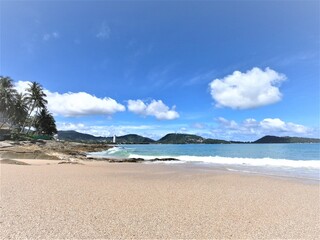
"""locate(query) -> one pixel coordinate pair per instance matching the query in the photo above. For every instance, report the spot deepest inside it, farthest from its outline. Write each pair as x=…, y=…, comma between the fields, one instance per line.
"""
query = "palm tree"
x=35, y=97
x=20, y=111
x=7, y=99
x=45, y=123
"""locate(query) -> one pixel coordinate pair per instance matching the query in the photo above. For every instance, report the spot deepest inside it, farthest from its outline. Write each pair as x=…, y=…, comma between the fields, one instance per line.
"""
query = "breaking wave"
x=314, y=164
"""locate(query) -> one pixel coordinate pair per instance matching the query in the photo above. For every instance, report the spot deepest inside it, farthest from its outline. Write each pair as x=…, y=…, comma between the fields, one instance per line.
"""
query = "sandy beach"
x=46, y=200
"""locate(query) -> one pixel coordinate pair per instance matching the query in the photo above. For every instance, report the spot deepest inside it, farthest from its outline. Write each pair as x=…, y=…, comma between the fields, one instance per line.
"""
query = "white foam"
x=313, y=164
x=112, y=150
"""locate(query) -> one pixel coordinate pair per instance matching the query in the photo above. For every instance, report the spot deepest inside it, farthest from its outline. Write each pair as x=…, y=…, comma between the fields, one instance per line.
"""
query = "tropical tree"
x=44, y=123
x=20, y=111
x=35, y=98
x=7, y=99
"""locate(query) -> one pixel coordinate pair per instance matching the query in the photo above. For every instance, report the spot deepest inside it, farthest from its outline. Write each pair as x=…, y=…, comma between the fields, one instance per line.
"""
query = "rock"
x=70, y=162
x=164, y=159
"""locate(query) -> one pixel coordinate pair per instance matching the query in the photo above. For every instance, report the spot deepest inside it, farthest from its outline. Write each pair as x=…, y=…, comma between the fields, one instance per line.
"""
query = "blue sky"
x=220, y=69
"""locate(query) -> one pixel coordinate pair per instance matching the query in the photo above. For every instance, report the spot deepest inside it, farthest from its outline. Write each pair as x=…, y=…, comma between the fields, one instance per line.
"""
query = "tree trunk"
x=32, y=122
x=25, y=121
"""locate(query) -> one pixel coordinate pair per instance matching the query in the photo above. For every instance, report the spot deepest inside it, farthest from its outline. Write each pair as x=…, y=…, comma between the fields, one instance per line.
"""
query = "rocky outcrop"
x=51, y=150
x=69, y=152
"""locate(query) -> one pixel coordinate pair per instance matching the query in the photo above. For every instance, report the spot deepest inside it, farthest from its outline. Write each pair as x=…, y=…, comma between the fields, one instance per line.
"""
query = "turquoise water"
x=297, y=160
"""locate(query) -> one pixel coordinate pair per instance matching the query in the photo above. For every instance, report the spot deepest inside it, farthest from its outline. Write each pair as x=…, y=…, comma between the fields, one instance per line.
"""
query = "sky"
x=221, y=69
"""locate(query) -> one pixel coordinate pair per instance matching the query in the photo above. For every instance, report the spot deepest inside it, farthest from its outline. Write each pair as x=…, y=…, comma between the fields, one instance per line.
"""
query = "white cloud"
x=49, y=36
x=277, y=124
x=228, y=124
x=76, y=104
x=21, y=86
x=249, y=122
x=104, y=32
x=273, y=123
x=253, y=129
x=137, y=106
x=156, y=108
x=81, y=103
x=251, y=89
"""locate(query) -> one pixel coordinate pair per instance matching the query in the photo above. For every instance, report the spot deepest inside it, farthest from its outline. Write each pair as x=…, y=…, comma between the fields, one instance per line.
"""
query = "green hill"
x=180, y=138
x=215, y=141
x=133, y=138
x=83, y=137
x=76, y=136
x=275, y=139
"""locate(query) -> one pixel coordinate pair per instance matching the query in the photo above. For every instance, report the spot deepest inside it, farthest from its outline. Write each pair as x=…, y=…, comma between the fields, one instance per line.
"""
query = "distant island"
x=174, y=138
x=275, y=139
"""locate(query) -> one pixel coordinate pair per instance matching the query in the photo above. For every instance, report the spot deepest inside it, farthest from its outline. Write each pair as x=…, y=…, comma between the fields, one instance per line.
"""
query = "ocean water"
x=291, y=160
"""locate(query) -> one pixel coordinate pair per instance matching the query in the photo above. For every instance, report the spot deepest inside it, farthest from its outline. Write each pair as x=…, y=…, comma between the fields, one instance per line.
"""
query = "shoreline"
x=179, y=166
x=71, y=152
x=129, y=200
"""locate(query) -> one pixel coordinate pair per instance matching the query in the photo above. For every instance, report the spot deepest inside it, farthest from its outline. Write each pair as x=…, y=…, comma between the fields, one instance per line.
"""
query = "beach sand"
x=46, y=200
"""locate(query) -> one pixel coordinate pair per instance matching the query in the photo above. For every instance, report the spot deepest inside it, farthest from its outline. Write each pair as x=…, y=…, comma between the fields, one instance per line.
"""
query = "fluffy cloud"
x=251, y=89
x=21, y=86
x=76, y=104
x=253, y=129
x=137, y=106
x=279, y=125
x=273, y=123
x=81, y=103
x=156, y=108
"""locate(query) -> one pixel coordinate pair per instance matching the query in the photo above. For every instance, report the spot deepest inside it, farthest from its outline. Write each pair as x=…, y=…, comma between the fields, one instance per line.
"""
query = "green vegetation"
x=179, y=138
x=215, y=141
x=79, y=137
x=132, y=138
x=21, y=112
x=275, y=139
x=82, y=137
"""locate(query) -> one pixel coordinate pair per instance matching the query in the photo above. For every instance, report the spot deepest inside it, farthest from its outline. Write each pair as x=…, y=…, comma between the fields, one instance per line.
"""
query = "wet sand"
x=103, y=200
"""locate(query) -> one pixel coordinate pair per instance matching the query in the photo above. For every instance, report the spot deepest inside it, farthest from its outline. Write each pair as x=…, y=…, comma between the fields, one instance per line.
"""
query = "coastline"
x=246, y=159
x=129, y=200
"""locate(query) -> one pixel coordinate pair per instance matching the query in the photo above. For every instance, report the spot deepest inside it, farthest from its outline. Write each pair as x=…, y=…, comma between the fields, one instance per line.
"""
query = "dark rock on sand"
x=70, y=162
x=131, y=160
x=164, y=159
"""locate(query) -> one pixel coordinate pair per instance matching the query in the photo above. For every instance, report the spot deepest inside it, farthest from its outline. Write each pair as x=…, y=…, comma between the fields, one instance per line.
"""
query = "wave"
x=128, y=152
x=112, y=152
x=263, y=162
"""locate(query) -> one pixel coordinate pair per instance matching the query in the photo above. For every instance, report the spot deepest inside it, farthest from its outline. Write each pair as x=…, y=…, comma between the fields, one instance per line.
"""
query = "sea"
x=288, y=160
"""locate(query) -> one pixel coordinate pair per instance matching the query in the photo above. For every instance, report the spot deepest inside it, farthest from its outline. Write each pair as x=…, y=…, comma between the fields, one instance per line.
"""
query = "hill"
x=180, y=138
x=80, y=137
x=83, y=137
x=174, y=138
x=215, y=141
x=134, y=138
x=275, y=139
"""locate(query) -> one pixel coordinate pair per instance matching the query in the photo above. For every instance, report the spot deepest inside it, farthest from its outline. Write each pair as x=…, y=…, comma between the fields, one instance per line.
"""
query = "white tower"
x=114, y=139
